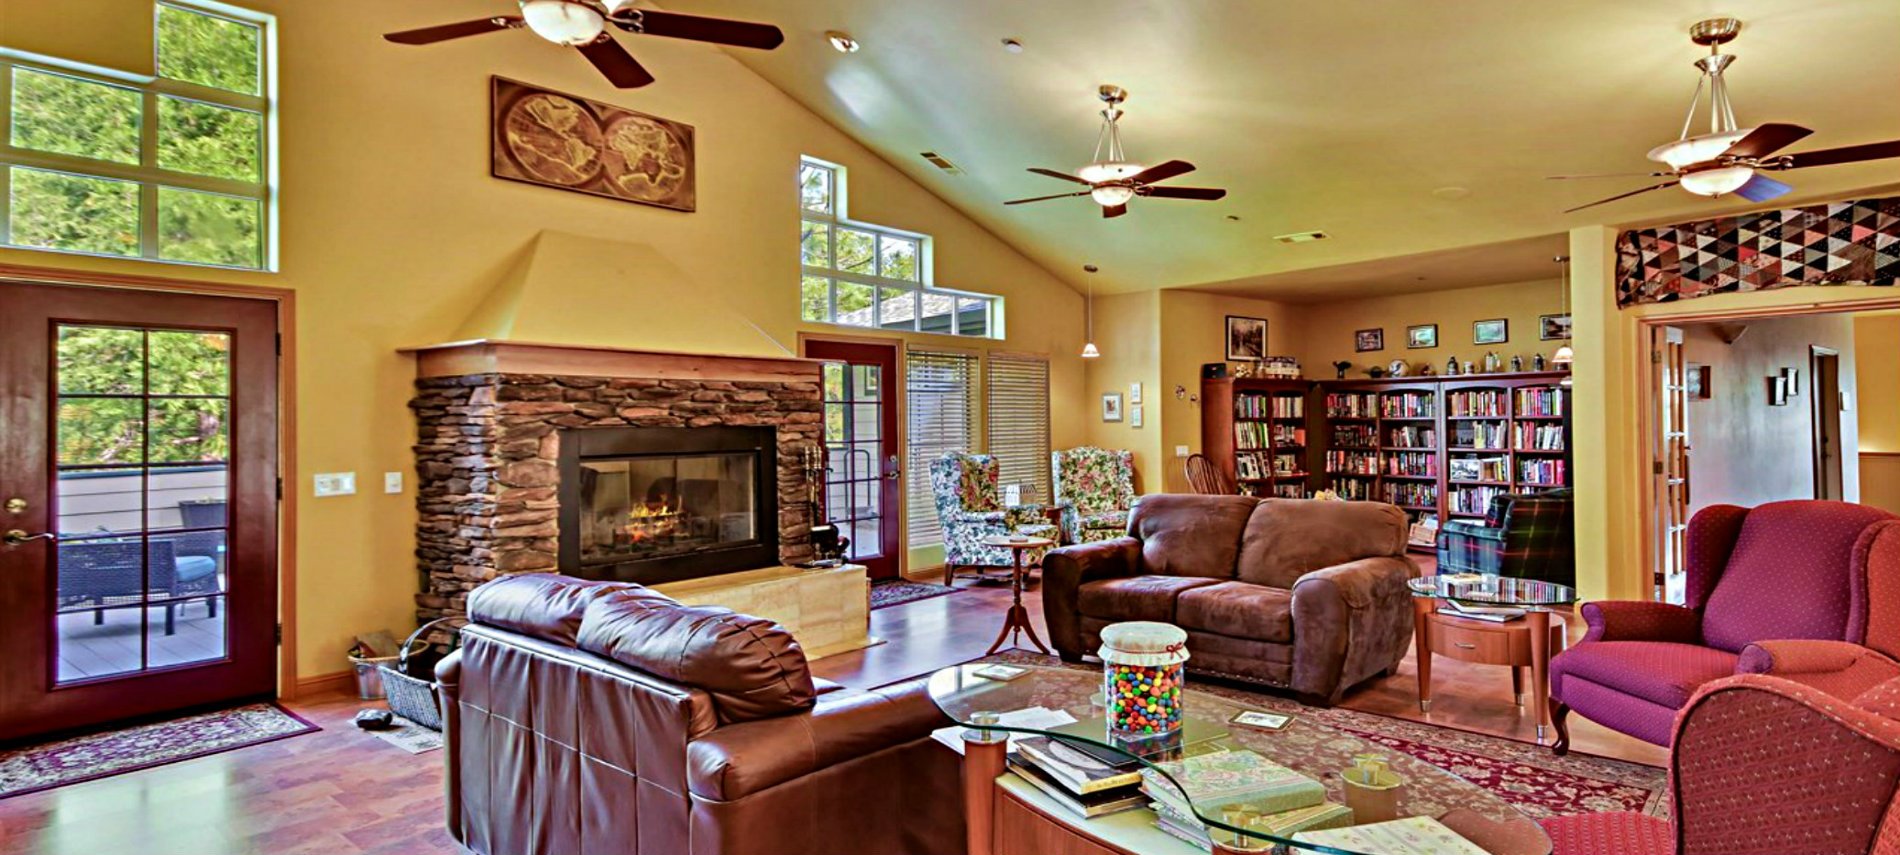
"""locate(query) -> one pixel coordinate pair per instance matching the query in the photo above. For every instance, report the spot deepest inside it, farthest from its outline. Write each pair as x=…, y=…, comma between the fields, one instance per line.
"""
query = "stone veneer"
x=488, y=445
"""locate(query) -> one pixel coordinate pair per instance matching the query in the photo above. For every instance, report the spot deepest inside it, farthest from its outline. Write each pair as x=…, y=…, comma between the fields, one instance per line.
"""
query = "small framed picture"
x=1000, y=673
x=1553, y=327
x=1246, y=338
x=1494, y=331
x=1421, y=336
x=1134, y=394
x=1696, y=378
x=1261, y=720
x=1793, y=376
x=1134, y=415
x=1366, y=341
x=1777, y=391
x=1111, y=406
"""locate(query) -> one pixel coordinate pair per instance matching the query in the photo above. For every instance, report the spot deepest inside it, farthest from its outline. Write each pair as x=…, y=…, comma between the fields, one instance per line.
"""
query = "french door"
x=138, y=504
x=1670, y=468
x=864, y=472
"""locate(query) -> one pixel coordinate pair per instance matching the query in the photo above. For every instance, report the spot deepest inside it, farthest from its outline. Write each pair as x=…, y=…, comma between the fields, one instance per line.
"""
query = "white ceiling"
x=1342, y=116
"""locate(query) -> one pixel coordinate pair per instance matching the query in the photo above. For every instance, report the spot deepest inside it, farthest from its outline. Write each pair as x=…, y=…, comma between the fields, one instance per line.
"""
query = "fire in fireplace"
x=661, y=503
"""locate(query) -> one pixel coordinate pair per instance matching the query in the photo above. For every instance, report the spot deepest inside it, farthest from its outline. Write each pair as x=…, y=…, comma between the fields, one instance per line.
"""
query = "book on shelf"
x=1466, y=403
x=1542, y=473
x=1354, y=436
x=1076, y=769
x=1474, y=501
x=1412, y=436
x=1085, y=805
x=1407, y=405
x=1286, y=434
x=1355, y=488
x=1480, y=435
x=1418, y=463
x=1411, y=494
x=1530, y=436
x=1539, y=401
x=1413, y=835
x=1352, y=405
x=1352, y=462
x=1230, y=778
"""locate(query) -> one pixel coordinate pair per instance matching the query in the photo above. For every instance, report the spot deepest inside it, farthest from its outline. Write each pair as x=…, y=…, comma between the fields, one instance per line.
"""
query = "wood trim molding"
x=484, y=356
x=1881, y=455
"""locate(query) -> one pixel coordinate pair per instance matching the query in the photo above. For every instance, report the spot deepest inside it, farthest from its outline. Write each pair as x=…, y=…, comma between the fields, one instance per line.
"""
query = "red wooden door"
x=864, y=480
x=138, y=504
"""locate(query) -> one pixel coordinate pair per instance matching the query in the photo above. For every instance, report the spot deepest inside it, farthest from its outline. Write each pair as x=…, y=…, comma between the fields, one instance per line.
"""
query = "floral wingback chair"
x=970, y=505
x=1094, y=487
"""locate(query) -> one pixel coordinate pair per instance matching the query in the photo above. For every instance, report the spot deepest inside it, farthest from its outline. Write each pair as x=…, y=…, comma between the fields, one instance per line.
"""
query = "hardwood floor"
x=344, y=792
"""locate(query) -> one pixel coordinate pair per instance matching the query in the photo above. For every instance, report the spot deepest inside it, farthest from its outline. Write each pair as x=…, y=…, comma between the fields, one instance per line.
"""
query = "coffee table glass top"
x=1304, y=745
x=1488, y=590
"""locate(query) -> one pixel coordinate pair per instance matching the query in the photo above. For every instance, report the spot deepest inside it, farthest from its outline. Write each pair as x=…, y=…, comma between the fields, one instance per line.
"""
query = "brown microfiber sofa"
x=605, y=717
x=1295, y=594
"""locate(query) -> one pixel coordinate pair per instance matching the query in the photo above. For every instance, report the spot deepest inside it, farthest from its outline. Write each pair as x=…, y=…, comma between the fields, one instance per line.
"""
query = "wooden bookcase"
x=1259, y=431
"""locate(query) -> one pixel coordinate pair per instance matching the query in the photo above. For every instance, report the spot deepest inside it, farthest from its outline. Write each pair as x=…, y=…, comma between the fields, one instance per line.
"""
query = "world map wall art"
x=573, y=143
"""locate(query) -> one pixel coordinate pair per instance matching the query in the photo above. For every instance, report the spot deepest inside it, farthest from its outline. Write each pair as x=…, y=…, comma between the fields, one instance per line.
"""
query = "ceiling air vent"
x=1301, y=237
x=941, y=162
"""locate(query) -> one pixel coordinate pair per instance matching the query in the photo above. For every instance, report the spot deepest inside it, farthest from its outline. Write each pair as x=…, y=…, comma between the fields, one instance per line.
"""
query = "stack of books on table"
x=1247, y=789
x=1413, y=835
x=1083, y=777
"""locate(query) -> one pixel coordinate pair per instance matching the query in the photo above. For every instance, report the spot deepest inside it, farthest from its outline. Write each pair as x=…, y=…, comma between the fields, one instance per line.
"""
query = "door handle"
x=15, y=537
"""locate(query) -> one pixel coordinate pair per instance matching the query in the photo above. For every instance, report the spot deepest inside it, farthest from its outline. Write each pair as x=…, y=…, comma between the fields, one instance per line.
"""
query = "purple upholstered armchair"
x=1806, y=590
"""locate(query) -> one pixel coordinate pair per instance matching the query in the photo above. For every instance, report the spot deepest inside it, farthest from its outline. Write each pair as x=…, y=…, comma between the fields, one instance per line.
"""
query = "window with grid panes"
x=940, y=416
x=860, y=275
x=174, y=168
x=1017, y=389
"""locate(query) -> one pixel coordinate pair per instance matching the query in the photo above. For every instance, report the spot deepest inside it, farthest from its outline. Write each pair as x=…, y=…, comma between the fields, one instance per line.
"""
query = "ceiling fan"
x=1731, y=159
x=582, y=24
x=1112, y=179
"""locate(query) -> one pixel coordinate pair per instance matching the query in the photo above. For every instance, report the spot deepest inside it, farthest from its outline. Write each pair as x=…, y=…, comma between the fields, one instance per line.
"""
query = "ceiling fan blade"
x=1054, y=174
x=1047, y=198
x=1112, y=211
x=719, y=31
x=620, y=67
x=1207, y=194
x=1766, y=140
x=1761, y=188
x=431, y=35
x=1161, y=172
x=1635, y=192
x=1845, y=154
x=1607, y=175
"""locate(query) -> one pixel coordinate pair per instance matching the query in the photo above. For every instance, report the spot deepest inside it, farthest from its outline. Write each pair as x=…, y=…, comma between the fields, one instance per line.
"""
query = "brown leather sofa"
x=590, y=717
x=1290, y=593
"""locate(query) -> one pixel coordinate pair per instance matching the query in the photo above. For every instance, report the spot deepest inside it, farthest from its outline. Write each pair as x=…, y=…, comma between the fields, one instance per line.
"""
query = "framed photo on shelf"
x=1365, y=341
x=1553, y=327
x=1246, y=338
x=1421, y=336
x=1494, y=331
x=1111, y=406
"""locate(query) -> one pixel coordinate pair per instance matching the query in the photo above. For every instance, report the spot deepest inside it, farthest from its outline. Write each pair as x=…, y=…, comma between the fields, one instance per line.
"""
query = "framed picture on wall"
x=1246, y=339
x=1364, y=341
x=1696, y=378
x=1421, y=336
x=1111, y=406
x=1494, y=331
x=1553, y=327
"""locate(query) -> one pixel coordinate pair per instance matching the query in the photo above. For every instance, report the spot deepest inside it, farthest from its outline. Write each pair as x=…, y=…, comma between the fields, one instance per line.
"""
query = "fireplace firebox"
x=661, y=504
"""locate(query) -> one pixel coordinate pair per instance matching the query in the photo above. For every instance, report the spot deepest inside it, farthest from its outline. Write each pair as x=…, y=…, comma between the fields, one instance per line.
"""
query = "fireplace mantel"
x=493, y=356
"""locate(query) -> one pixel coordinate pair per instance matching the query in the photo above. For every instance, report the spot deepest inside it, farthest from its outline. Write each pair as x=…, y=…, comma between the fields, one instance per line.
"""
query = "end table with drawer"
x=1523, y=644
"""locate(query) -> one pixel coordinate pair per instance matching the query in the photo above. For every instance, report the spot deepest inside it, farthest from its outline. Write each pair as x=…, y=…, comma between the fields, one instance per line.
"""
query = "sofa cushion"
x=1188, y=535
x=1135, y=597
x=1238, y=609
x=546, y=606
x=1789, y=575
x=1660, y=672
x=752, y=667
x=1288, y=538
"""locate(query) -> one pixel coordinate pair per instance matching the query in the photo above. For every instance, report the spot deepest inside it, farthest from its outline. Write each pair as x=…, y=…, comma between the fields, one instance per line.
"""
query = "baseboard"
x=924, y=574
x=341, y=681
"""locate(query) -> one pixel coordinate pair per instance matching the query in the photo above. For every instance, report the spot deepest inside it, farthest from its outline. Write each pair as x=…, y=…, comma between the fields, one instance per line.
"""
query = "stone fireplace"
x=672, y=467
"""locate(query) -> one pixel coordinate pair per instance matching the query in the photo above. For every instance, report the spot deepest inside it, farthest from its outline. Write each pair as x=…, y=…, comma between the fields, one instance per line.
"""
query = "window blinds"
x=1019, y=421
x=940, y=404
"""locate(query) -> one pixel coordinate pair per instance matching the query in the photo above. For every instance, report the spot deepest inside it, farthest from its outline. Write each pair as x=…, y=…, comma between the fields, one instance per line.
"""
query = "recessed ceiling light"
x=842, y=41
x=1012, y=45
x=1451, y=193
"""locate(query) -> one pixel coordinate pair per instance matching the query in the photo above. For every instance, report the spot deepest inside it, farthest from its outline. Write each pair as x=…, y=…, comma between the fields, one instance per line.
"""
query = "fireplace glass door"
x=635, y=508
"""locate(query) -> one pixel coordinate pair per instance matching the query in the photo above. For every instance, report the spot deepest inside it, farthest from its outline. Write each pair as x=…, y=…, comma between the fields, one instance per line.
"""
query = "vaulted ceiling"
x=1343, y=116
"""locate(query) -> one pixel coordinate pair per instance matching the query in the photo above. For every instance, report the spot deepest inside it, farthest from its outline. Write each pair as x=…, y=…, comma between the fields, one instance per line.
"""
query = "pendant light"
x=1089, y=350
x=1564, y=355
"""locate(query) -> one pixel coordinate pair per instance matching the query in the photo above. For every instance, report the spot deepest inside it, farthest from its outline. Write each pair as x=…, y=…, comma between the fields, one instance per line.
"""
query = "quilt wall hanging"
x=1832, y=244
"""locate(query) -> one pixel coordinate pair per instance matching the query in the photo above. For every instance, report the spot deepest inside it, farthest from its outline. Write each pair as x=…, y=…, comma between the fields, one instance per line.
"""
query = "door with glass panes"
x=863, y=470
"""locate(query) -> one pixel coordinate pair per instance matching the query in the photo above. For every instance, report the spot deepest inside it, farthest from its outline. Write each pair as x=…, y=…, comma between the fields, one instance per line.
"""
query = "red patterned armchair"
x=1807, y=590
x=1766, y=766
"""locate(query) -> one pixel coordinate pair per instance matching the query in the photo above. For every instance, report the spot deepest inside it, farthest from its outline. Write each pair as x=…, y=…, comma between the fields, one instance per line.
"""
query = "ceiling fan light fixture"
x=563, y=22
x=1697, y=149
x=1110, y=195
x=1108, y=170
x=1717, y=182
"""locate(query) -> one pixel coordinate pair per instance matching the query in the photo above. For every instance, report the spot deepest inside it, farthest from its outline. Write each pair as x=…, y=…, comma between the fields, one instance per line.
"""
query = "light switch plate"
x=335, y=484
x=1181, y=451
x=392, y=482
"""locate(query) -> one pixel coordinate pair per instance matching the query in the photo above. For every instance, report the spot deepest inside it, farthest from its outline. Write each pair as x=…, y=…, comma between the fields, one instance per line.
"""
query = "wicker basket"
x=409, y=685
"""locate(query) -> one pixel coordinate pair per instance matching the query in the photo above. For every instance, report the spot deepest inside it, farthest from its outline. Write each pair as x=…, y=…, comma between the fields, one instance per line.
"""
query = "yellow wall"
x=1877, y=406
x=1128, y=331
x=392, y=231
x=1329, y=327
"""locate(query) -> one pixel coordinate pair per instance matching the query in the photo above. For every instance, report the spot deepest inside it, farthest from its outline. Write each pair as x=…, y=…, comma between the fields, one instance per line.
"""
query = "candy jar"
x=1142, y=671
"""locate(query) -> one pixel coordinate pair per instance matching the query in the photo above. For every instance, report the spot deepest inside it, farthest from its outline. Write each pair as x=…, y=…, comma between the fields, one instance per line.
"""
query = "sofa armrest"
x=741, y=759
x=1066, y=570
x=1840, y=668
x=1471, y=529
x=448, y=679
x=1637, y=620
x=1350, y=621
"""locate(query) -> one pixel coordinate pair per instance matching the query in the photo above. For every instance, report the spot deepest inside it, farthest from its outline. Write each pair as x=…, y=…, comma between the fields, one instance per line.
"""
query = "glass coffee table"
x=1007, y=814
x=1449, y=619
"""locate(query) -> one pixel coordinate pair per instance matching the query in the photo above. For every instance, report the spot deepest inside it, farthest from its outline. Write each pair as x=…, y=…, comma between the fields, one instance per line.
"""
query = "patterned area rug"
x=896, y=592
x=1529, y=776
x=100, y=755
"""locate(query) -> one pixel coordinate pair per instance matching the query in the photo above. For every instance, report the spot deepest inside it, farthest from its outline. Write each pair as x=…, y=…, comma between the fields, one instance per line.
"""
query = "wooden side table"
x=1017, y=620
x=1522, y=644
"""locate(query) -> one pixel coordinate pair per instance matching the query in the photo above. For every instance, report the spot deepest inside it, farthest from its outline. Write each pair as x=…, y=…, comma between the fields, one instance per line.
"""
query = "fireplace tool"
x=826, y=539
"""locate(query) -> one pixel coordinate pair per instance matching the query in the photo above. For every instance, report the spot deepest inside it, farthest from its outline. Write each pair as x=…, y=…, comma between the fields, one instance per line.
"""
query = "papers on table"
x=1035, y=718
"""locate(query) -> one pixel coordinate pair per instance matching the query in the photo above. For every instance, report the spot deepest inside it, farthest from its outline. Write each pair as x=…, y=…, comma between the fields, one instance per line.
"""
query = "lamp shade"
x=1696, y=149
x=1089, y=351
x=1715, y=182
x=1564, y=356
x=563, y=22
x=1111, y=195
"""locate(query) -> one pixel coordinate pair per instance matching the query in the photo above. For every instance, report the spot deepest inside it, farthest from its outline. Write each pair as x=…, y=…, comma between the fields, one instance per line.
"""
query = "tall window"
x=1018, y=388
x=940, y=400
x=861, y=275
x=174, y=169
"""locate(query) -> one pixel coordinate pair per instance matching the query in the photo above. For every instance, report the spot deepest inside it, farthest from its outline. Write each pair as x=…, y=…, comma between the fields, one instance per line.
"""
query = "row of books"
x=1475, y=402
x=1353, y=488
x=1257, y=465
x=1270, y=406
x=1411, y=493
x=1249, y=435
x=1412, y=437
x=1408, y=405
x=1284, y=434
x=1542, y=473
x=1480, y=469
x=1352, y=462
x=1411, y=463
x=1354, y=436
x=1293, y=490
x=1540, y=401
x=1351, y=405
x=1538, y=437
x=1474, y=500
x=1079, y=776
x=1478, y=435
